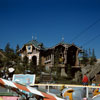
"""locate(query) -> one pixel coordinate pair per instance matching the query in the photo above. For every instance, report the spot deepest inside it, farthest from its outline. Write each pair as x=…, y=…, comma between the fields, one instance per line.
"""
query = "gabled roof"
x=61, y=43
x=36, y=44
x=40, y=46
x=64, y=44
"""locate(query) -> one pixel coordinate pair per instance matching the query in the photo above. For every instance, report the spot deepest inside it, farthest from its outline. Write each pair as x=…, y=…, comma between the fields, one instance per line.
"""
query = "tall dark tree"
x=7, y=48
x=93, y=54
x=89, y=53
x=17, y=49
x=18, y=58
x=1, y=62
x=93, y=58
x=9, y=52
x=85, y=59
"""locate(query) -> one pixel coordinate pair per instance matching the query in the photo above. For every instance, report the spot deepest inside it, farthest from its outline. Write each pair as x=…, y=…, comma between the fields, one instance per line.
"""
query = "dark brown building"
x=60, y=55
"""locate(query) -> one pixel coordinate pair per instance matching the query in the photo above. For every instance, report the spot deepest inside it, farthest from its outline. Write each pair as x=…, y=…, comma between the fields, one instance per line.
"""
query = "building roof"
x=35, y=43
x=65, y=45
x=40, y=46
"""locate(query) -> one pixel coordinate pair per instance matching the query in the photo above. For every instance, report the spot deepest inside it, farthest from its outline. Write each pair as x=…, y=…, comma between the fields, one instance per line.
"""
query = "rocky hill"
x=91, y=70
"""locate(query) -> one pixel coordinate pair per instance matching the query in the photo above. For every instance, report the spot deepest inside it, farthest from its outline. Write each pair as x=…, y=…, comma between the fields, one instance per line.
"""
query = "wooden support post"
x=48, y=89
x=87, y=92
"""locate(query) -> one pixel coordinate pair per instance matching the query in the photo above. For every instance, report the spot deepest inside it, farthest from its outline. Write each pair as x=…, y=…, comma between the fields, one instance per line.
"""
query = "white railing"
x=68, y=86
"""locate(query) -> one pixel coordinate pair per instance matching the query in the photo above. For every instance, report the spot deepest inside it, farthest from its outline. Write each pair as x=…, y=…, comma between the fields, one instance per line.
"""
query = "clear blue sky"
x=49, y=21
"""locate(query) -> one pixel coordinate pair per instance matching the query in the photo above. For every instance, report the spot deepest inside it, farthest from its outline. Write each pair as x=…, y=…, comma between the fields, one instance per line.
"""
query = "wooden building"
x=60, y=55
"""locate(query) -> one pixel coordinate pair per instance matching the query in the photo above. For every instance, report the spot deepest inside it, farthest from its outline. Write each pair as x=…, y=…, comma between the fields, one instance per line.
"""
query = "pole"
x=87, y=94
x=48, y=88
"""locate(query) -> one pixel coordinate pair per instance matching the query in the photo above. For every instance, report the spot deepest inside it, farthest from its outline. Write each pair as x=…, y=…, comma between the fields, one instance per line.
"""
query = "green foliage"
x=88, y=57
x=93, y=58
x=85, y=57
x=9, y=53
x=1, y=62
x=56, y=72
x=7, y=62
x=17, y=50
x=11, y=59
x=89, y=52
x=33, y=68
x=19, y=69
x=25, y=60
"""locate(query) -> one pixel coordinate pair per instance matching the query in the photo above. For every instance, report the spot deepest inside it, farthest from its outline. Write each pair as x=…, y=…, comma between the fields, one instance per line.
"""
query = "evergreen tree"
x=85, y=57
x=18, y=58
x=7, y=59
x=9, y=53
x=1, y=63
x=89, y=53
x=17, y=49
x=93, y=58
x=7, y=48
x=93, y=55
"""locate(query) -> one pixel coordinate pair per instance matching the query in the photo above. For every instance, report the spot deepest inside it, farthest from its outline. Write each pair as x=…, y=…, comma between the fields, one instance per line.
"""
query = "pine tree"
x=85, y=57
x=93, y=58
x=93, y=55
x=1, y=63
x=18, y=58
x=7, y=48
x=89, y=53
x=9, y=52
x=17, y=49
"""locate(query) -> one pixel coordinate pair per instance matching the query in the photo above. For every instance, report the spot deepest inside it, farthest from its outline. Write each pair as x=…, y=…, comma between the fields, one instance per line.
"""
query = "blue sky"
x=49, y=21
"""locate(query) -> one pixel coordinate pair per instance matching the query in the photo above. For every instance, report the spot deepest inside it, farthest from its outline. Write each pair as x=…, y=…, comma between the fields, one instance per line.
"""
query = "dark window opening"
x=71, y=55
x=34, y=60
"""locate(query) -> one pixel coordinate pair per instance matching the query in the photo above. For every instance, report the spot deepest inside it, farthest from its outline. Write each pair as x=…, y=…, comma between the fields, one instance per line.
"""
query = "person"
x=99, y=88
x=85, y=80
x=93, y=84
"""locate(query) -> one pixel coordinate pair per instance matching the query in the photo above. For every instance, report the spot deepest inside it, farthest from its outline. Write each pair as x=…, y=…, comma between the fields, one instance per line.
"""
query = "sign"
x=25, y=79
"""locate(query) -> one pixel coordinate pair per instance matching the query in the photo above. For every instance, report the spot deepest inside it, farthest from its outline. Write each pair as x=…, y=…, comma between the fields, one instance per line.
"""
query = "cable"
x=81, y=33
x=91, y=40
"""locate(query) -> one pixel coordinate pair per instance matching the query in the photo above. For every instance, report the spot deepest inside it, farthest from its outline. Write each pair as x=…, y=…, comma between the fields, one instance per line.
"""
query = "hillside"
x=92, y=70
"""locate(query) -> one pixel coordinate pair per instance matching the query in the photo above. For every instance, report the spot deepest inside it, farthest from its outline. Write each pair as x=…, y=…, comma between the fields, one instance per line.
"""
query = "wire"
x=91, y=40
x=81, y=33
